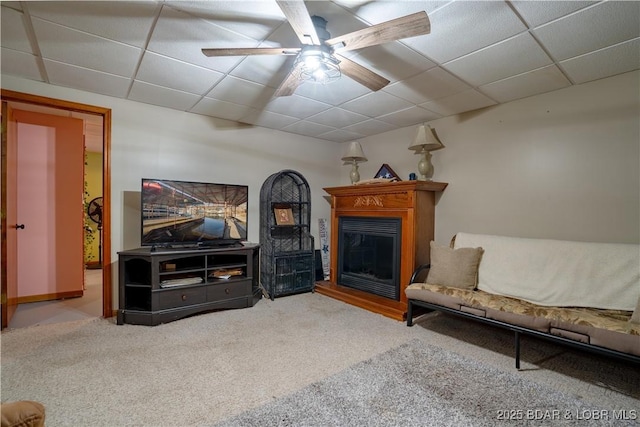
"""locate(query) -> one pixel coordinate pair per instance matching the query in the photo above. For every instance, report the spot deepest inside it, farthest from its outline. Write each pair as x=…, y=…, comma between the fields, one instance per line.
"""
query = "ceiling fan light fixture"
x=315, y=61
x=316, y=64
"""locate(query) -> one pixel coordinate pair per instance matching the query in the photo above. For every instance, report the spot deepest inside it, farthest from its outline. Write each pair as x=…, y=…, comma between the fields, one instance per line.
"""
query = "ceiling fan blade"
x=412, y=25
x=298, y=16
x=362, y=75
x=290, y=83
x=251, y=51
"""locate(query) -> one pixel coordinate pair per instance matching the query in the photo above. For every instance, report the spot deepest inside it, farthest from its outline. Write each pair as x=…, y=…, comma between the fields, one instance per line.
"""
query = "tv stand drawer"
x=222, y=291
x=181, y=297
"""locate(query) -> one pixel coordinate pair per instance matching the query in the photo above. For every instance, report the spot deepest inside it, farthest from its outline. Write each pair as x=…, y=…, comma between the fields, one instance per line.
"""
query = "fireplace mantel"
x=411, y=201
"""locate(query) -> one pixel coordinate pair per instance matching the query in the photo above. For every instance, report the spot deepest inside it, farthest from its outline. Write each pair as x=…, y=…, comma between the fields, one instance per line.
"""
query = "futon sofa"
x=582, y=294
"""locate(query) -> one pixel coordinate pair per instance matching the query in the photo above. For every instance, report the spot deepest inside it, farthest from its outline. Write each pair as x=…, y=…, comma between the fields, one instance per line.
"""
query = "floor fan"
x=94, y=211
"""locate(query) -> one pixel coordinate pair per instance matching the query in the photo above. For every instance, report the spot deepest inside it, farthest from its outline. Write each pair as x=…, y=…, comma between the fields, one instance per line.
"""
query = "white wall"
x=155, y=142
x=561, y=165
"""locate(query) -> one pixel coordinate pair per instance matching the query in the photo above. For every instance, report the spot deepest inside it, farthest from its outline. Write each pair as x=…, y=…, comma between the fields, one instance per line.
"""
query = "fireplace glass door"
x=369, y=255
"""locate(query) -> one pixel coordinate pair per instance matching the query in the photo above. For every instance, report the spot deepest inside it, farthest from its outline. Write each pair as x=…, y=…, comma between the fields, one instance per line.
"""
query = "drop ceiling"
x=478, y=54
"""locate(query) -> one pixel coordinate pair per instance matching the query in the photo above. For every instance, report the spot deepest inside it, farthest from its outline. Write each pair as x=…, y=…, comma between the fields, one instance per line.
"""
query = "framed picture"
x=385, y=171
x=284, y=215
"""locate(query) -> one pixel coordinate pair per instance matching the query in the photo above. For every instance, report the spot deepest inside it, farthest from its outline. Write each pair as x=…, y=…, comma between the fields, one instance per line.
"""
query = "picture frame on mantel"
x=386, y=172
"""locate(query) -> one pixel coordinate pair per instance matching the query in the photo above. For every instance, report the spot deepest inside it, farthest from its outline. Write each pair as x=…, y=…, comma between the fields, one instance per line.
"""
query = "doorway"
x=103, y=276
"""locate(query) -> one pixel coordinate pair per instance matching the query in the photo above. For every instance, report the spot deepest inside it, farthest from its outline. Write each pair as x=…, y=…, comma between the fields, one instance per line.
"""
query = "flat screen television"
x=187, y=214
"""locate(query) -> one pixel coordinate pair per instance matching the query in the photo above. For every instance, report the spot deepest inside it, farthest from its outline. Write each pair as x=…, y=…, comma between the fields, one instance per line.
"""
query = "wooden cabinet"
x=413, y=202
x=165, y=285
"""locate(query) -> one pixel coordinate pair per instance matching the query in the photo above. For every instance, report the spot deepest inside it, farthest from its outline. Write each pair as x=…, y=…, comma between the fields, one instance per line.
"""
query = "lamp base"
x=354, y=174
x=425, y=167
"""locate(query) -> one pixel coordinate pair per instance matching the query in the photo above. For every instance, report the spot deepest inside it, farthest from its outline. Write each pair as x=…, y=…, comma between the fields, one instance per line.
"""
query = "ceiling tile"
x=61, y=74
x=85, y=50
x=296, y=106
x=375, y=12
x=268, y=70
x=501, y=60
x=16, y=5
x=224, y=110
x=241, y=92
x=370, y=127
x=460, y=27
x=20, y=64
x=394, y=61
x=340, y=135
x=13, y=33
x=282, y=36
x=374, y=104
x=255, y=19
x=528, y=84
x=590, y=29
x=129, y=22
x=304, y=127
x=433, y=84
x=410, y=116
x=337, y=118
x=603, y=63
x=163, y=71
x=338, y=22
x=478, y=53
x=335, y=93
x=540, y=12
x=268, y=119
x=459, y=103
x=162, y=96
x=179, y=36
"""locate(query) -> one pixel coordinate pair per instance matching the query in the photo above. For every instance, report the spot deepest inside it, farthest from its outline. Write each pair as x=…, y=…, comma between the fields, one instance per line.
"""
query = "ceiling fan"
x=318, y=59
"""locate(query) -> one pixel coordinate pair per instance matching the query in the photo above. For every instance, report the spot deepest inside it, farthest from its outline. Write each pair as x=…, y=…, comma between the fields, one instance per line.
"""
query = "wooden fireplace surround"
x=411, y=201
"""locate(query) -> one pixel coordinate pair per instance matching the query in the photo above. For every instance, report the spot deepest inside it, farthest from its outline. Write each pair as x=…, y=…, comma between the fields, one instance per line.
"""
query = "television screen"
x=192, y=213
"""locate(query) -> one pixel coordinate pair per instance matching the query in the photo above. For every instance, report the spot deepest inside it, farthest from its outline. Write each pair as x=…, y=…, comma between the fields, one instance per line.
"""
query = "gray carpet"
x=209, y=368
x=416, y=384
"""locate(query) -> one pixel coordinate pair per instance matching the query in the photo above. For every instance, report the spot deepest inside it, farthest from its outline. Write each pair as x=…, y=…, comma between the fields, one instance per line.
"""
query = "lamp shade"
x=354, y=153
x=426, y=138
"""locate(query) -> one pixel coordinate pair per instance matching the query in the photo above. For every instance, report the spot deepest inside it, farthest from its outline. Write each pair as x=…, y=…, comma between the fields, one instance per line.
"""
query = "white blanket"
x=558, y=273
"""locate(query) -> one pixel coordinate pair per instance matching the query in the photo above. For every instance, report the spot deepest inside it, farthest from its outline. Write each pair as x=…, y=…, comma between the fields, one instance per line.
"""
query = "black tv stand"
x=159, y=286
x=226, y=244
x=207, y=245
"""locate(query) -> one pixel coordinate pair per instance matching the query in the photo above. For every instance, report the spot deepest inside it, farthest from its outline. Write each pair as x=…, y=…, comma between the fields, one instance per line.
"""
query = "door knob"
x=20, y=226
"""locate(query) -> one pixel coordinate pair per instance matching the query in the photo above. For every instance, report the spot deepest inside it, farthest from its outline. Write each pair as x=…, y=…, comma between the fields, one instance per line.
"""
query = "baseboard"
x=50, y=297
x=93, y=265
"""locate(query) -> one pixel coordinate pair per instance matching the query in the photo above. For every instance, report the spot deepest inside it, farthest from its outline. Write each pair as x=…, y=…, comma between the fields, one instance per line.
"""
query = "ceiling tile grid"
x=478, y=54
x=67, y=75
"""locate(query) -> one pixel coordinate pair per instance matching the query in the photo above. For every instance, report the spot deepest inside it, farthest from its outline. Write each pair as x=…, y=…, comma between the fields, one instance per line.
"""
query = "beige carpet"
x=89, y=306
x=208, y=368
x=416, y=385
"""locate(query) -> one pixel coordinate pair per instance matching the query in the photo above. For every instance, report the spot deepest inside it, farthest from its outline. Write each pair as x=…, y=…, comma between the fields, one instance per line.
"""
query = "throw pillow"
x=457, y=268
x=635, y=317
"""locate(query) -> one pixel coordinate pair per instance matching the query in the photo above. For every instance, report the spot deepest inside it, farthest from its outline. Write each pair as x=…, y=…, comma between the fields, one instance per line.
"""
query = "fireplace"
x=379, y=234
x=369, y=255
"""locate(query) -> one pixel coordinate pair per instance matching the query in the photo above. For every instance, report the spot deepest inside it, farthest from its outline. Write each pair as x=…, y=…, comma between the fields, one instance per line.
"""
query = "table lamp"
x=424, y=142
x=353, y=156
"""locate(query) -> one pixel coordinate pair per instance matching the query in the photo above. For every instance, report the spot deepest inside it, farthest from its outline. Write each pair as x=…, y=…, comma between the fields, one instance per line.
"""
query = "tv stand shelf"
x=159, y=286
